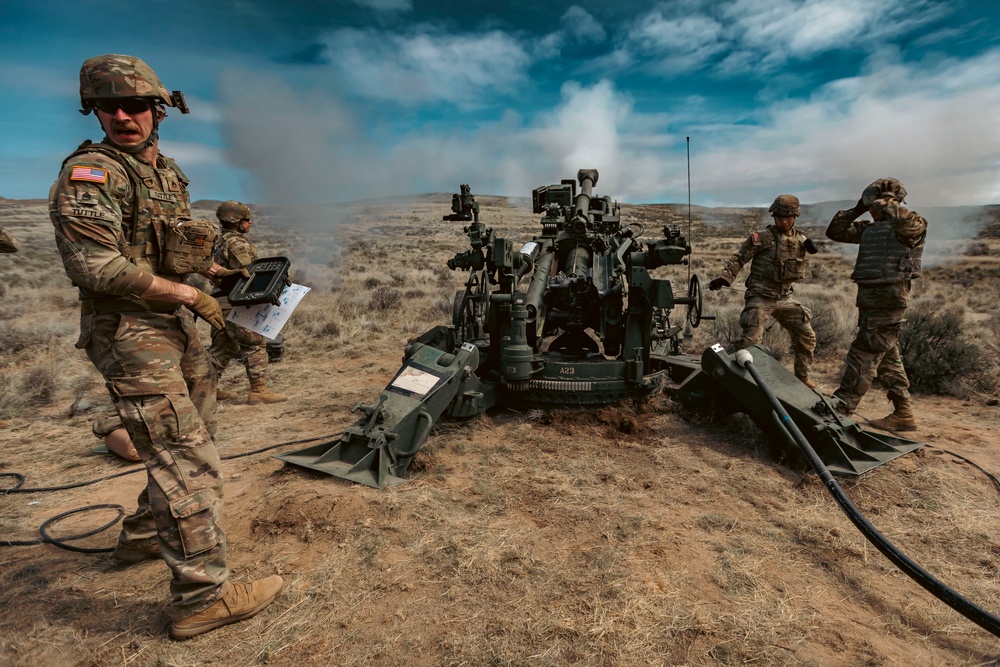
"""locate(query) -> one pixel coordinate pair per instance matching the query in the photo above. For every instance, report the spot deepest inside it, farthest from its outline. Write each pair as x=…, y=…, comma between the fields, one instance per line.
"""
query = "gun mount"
x=572, y=317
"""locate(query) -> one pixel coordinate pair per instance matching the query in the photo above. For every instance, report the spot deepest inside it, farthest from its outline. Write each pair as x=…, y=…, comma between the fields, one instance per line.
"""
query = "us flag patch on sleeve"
x=92, y=174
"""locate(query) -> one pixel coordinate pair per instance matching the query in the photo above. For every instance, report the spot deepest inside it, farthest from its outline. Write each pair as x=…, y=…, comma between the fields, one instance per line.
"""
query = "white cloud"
x=38, y=81
x=426, y=64
x=200, y=109
x=783, y=30
x=669, y=43
x=187, y=154
x=577, y=27
x=581, y=26
x=935, y=128
x=759, y=36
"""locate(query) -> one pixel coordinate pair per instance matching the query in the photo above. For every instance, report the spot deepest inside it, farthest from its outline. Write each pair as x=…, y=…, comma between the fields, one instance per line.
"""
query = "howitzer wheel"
x=456, y=308
x=694, y=303
x=465, y=316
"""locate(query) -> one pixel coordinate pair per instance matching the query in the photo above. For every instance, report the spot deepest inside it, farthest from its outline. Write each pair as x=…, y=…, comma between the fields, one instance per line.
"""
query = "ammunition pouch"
x=791, y=269
x=189, y=246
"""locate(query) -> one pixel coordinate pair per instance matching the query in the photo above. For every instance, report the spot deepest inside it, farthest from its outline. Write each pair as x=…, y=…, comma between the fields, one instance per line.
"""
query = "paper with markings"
x=266, y=318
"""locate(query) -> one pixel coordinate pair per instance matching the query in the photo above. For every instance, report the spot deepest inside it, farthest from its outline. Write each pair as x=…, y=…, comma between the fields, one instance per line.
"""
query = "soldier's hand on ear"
x=209, y=309
x=718, y=284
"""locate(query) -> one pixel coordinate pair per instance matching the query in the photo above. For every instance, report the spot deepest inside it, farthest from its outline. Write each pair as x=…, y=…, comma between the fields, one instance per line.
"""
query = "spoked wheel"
x=463, y=315
x=457, y=308
x=694, y=303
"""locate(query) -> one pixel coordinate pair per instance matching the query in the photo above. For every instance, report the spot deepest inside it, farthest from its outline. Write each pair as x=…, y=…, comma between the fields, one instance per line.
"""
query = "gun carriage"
x=572, y=317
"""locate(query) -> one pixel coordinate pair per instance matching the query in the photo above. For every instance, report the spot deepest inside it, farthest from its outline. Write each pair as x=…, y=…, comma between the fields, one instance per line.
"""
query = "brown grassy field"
x=629, y=535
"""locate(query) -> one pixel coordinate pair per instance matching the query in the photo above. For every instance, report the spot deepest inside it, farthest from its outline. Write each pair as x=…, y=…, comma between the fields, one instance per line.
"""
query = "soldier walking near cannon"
x=777, y=259
x=890, y=249
x=234, y=341
x=121, y=214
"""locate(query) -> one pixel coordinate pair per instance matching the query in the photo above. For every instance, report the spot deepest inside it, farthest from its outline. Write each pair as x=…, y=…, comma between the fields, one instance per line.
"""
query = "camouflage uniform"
x=237, y=252
x=889, y=259
x=777, y=259
x=7, y=242
x=108, y=208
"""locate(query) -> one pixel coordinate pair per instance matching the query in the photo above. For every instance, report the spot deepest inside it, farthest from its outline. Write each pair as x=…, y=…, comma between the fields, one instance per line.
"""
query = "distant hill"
x=725, y=220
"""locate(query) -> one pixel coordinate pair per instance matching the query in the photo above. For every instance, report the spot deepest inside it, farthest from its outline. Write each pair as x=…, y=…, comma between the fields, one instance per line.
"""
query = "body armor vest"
x=883, y=260
x=160, y=200
x=781, y=259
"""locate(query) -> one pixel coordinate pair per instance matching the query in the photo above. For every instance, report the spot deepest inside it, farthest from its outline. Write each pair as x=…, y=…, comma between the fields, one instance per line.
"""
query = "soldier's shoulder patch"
x=89, y=173
x=755, y=238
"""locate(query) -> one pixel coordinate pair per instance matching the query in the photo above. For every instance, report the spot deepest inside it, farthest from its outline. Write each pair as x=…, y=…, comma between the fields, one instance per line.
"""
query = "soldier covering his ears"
x=777, y=259
x=122, y=220
x=890, y=250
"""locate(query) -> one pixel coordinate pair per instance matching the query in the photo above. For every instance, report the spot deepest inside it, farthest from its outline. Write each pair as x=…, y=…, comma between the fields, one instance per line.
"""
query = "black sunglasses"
x=130, y=105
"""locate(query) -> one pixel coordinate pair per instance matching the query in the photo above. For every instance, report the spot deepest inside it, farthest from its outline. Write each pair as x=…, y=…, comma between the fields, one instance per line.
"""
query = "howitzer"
x=573, y=317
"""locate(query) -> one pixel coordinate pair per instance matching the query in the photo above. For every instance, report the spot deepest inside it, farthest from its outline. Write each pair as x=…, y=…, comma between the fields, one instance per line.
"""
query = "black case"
x=268, y=278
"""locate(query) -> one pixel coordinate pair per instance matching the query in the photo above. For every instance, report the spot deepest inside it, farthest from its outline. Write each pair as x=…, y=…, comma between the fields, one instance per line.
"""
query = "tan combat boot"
x=901, y=419
x=225, y=395
x=259, y=393
x=238, y=603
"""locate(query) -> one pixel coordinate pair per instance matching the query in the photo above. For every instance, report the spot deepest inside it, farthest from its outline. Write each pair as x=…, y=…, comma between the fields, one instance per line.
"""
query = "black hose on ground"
x=938, y=589
x=18, y=487
x=61, y=541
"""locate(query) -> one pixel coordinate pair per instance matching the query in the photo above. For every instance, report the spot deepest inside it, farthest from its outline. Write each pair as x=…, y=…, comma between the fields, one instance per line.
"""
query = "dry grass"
x=612, y=537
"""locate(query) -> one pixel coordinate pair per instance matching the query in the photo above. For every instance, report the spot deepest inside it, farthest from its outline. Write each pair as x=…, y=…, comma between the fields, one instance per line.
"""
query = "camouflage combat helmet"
x=231, y=212
x=881, y=189
x=785, y=206
x=116, y=76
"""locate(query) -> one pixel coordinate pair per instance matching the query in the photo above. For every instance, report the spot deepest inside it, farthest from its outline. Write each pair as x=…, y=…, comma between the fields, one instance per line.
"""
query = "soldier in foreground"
x=7, y=242
x=777, y=259
x=236, y=253
x=891, y=247
x=120, y=211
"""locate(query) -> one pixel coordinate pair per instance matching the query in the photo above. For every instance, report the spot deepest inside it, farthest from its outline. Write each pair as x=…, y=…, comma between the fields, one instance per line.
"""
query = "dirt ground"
x=627, y=535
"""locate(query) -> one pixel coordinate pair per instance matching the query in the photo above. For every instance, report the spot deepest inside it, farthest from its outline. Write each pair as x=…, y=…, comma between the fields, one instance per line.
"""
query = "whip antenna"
x=689, y=201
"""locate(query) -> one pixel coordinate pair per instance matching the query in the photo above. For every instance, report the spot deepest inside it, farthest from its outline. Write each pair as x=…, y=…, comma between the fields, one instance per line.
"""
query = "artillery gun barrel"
x=539, y=282
x=581, y=207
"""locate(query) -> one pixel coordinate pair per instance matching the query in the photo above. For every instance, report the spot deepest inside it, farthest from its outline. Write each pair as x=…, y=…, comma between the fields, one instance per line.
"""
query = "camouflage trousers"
x=163, y=387
x=236, y=342
x=874, y=354
x=791, y=315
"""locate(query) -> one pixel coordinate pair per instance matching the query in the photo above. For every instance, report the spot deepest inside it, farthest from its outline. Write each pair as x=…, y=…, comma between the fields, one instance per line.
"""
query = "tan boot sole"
x=261, y=401
x=894, y=429
x=195, y=629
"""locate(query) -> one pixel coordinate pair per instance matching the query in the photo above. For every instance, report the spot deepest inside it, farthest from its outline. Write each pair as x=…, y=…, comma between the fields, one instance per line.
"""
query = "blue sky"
x=324, y=101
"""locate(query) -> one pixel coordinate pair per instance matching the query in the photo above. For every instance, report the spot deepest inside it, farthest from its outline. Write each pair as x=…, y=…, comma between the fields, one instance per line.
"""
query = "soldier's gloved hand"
x=209, y=309
x=231, y=272
x=810, y=246
x=718, y=284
